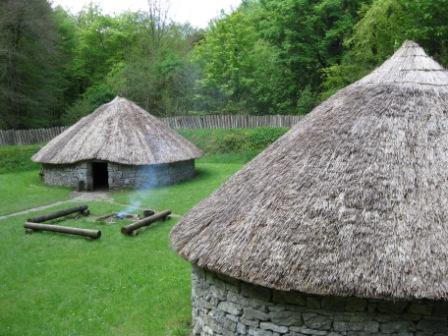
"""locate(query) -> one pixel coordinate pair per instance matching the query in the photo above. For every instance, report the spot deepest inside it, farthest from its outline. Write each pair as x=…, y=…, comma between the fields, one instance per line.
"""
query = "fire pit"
x=115, y=216
x=147, y=218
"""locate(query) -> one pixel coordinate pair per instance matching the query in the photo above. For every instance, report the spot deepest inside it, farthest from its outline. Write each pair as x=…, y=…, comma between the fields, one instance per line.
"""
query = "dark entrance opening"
x=100, y=175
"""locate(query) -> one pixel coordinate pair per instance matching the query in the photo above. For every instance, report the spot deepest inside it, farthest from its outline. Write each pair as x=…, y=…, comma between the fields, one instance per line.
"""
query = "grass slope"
x=15, y=159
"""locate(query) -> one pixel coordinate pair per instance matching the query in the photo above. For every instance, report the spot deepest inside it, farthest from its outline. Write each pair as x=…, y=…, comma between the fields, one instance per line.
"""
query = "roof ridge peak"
x=410, y=65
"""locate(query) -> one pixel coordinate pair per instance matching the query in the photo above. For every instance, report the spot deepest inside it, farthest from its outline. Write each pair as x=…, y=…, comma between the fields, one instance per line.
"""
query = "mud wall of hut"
x=122, y=176
x=225, y=306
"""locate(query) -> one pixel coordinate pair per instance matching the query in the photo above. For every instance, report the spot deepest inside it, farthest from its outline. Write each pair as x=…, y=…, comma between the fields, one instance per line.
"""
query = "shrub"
x=231, y=142
x=221, y=141
x=260, y=138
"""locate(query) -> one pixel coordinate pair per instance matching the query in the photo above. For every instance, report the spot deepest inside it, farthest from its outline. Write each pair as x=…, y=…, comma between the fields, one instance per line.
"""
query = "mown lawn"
x=52, y=284
x=24, y=190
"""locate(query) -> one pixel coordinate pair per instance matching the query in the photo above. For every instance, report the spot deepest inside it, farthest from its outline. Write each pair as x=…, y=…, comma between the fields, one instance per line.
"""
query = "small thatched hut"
x=341, y=226
x=119, y=145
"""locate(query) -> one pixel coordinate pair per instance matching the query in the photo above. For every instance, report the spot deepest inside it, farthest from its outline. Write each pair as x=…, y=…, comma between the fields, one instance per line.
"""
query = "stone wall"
x=122, y=176
x=225, y=306
x=67, y=175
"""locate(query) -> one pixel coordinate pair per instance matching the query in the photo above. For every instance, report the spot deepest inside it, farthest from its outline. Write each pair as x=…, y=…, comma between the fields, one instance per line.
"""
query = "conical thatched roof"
x=352, y=201
x=121, y=132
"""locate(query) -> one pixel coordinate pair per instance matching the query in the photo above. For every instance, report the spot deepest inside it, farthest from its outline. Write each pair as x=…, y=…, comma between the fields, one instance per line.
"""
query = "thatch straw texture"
x=352, y=201
x=121, y=132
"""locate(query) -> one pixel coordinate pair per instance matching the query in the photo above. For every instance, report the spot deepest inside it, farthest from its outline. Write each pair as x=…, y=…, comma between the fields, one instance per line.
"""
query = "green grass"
x=15, y=159
x=24, y=190
x=52, y=284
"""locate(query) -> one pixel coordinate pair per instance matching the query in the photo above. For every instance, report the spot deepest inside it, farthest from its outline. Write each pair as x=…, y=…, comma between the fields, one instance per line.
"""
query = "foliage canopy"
x=266, y=57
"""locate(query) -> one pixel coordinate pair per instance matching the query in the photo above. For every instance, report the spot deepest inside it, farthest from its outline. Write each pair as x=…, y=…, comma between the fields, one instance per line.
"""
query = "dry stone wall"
x=122, y=176
x=67, y=175
x=119, y=176
x=223, y=306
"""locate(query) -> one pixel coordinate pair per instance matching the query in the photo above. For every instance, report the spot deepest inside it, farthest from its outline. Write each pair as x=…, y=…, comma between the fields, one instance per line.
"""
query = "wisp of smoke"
x=147, y=178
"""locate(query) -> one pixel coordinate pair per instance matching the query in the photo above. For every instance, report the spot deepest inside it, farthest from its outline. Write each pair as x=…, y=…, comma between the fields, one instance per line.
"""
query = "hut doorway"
x=100, y=175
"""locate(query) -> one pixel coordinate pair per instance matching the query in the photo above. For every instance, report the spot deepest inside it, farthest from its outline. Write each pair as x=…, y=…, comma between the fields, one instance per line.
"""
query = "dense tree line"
x=267, y=57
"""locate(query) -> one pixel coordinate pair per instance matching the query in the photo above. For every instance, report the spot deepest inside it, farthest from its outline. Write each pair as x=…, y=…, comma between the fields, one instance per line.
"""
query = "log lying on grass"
x=92, y=234
x=148, y=212
x=129, y=229
x=83, y=210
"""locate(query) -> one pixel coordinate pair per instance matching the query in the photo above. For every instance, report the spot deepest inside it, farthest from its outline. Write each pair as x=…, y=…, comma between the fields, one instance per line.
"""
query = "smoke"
x=132, y=208
x=147, y=178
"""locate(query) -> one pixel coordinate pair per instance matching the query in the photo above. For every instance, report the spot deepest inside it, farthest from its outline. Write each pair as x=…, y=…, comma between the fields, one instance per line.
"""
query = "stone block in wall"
x=259, y=332
x=241, y=329
x=255, y=314
x=254, y=303
x=317, y=321
x=274, y=327
x=397, y=326
x=308, y=331
x=433, y=325
x=286, y=317
x=250, y=323
x=230, y=308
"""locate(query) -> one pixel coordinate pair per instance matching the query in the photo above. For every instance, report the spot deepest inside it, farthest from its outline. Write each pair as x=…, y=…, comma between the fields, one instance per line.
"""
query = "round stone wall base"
x=151, y=176
x=119, y=176
x=225, y=306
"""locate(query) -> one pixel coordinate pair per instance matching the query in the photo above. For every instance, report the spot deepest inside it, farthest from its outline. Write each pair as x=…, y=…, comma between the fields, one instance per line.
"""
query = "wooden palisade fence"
x=43, y=135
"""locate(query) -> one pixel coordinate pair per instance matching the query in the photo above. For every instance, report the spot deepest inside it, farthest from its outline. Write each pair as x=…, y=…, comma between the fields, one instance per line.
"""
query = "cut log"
x=92, y=234
x=129, y=229
x=148, y=212
x=83, y=210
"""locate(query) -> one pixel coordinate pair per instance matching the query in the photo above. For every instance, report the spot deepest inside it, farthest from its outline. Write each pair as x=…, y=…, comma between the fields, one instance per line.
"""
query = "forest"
x=266, y=57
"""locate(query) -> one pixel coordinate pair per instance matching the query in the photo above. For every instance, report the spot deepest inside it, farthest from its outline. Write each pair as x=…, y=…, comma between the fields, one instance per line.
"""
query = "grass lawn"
x=24, y=190
x=52, y=284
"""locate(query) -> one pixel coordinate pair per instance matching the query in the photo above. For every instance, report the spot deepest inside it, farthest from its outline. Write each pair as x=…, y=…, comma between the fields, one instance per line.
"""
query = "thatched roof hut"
x=121, y=133
x=351, y=202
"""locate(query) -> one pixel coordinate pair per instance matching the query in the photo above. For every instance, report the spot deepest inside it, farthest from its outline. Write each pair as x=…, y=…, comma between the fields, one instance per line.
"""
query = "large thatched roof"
x=352, y=201
x=121, y=132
